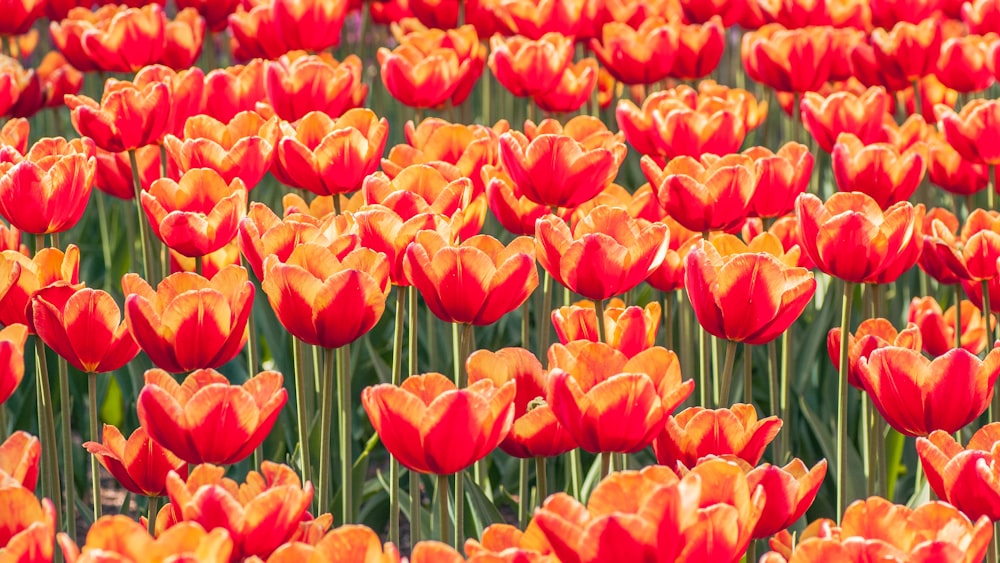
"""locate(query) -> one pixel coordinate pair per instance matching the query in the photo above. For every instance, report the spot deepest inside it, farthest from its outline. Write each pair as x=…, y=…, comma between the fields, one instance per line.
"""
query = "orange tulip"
x=534, y=18
x=14, y=134
x=515, y=213
x=775, y=57
x=83, y=326
x=557, y=170
x=698, y=432
x=198, y=215
x=504, y=540
x=242, y=148
x=975, y=131
x=710, y=194
x=58, y=79
x=782, y=176
x=114, y=171
x=431, y=426
x=189, y=322
x=463, y=40
x=12, y=339
x=262, y=233
x=19, y=456
x=952, y=172
x=127, y=41
x=609, y=403
x=606, y=254
x=330, y=156
x=871, y=335
x=880, y=170
x=183, y=39
x=122, y=539
x=207, y=420
x=47, y=191
x=972, y=253
x=965, y=477
x=234, y=89
x=215, y=12
x=256, y=34
x=20, y=89
x=126, y=118
x=536, y=432
x=297, y=85
x=186, y=91
x=27, y=526
x=139, y=464
x=937, y=327
x=527, y=67
x=699, y=49
x=908, y=50
x=638, y=56
x=842, y=112
x=981, y=16
x=21, y=277
x=876, y=238
x=574, y=88
x=349, y=543
x=630, y=330
x=917, y=396
x=477, y=281
x=323, y=300
x=746, y=293
x=260, y=514
x=419, y=79
x=788, y=492
x=311, y=25
x=964, y=63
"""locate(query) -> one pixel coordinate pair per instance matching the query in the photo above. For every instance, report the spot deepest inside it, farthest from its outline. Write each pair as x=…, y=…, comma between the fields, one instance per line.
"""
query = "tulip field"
x=522, y=281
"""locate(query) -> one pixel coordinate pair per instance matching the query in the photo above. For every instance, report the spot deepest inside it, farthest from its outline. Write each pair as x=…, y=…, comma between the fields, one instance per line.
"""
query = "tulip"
x=262, y=233
x=419, y=79
x=534, y=18
x=575, y=86
x=431, y=426
x=256, y=32
x=630, y=330
x=952, y=172
x=125, y=119
x=699, y=49
x=128, y=41
x=14, y=134
x=515, y=213
x=330, y=156
x=775, y=57
x=606, y=254
x=475, y=282
x=12, y=340
x=233, y=89
x=788, y=490
x=938, y=328
x=535, y=432
x=207, y=420
x=964, y=477
x=527, y=67
x=296, y=86
x=216, y=13
x=973, y=131
x=917, y=396
x=189, y=322
x=21, y=277
x=499, y=540
x=344, y=544
x=871, y=335
x=197, y=215
x=125, y=540
x=27, y=526
x=843, y=112
x=114, y=171
x=139, y=464
x=609, y=403
x=20, y=15
x=697, y=432
x=878, y=169
x=47, y=191
x=638, y=56
x=310, y=25
x=260, y=515
x=711, y=194
x=669, y=276
x=19, y=456
x=782, y=176
x=908, y=50
x=963, y=64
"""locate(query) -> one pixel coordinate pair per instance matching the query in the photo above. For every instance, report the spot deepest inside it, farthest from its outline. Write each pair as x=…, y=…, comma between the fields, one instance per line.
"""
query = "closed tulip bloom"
x=21, y=277
x=871, y=335
x=124, y=540
x=139, y=464
x=183, y=39
x=131, y=39
x=262, y=233
x=47, y=191
x=964, y=63
x=323, y=300
x=464, y=41
x=204, y=419
x=574, y=88
x=419, y=79
x=215, y=12
x=256, y=33
x=310, y=25
x=781, y=177
x=186, y=91
x=27, y=526
x=330, y=156
x=197, y=215
x=606, y=254
x=638, y=56
x=975, y=131
x=431, y=426
x=971, y=254
x=712, y=193
x=242, y=148
x=909, y=50
x=937, y=327
x=880, y=170
x=527, y=67
x=84, y=326
x=14, y=134
x=515, y=213
x=125, y=119
x=499, y=540
x=953, y=173
x=534, y=18
x=788, y=492
x=981, y=16
x=296, y=86
x=260, y=514
x=233, y=89
x=917, y=396
x=390, y=231
x=557, y=170
x=825, y=118
x=477, y=281
x=189, y=322
x=114, y=171
x=697, y=432
x=12, y=340
x=610, y=403
x=20, y=15
x=850, y=237
x=19, y=456
x=699, y=49
x=348, y=543
x=630, y=330
x=776, y=57
x=536, y=432
x=423, y=188
x=965, y=477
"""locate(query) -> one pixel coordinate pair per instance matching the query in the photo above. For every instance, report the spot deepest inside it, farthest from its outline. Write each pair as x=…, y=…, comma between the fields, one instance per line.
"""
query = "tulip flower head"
x=697, y=432
x=139, y=464
x=19, y=457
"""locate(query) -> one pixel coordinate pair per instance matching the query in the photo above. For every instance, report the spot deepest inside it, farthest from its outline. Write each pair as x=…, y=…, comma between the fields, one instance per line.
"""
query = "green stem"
x=958, y=316
x=253, y=366
x=867, y=443
x=991, y=188
x=329, y=384
x=444, y=524
x=786, y=388
x=727, y=373
x=3, y=422
x=523, y=492
x=457, y=358
x=995, y=403
x=95, y=466
x=747, y=375
x=526, y=324
x=199, y=265
x=774, y=385
x=412, y=365
x=154, y=503
x=346, y=434
x=47, y=422
x=541, y=479
x=69, y=469
x=602, y=335
x=605, y=464
x=544, y=319
x=576, y=472
x=300, y=407
x=102, y=223
x=845, y=326
x=752, y=551
x=397, y=371
x=144, y=234
x=705, y=385
x=668, y=314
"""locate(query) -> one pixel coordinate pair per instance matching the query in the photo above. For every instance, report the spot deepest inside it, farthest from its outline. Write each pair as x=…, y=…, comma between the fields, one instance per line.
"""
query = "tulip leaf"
x=404, y=502
x=894, y=442
x=481, y=511
x=855, y=482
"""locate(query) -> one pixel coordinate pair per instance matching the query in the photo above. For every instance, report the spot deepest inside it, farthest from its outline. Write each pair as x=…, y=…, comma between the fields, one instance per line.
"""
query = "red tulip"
x=27, y=526
x=781, y=177
x=297, y=85
x=880, y=170
x=19, y=456
x=12, y=339
x=21, y=277
x=843, y=112
x=630, y=330
x=128, y=40
x=233, y=89
x=419, y=79
x=311, y=25
x=965, y=477
x=973, y=131
x=788, y=490
x=139, y=464
x=348, y=543
x=124, y=540
x=20, y=15
x=638, y=56
x=711, y=194
x=527, y=67
x=242, y=148
x=126, y=118
x=908, y=50
x=697, y=432
x=937, y=327
x=575, y=86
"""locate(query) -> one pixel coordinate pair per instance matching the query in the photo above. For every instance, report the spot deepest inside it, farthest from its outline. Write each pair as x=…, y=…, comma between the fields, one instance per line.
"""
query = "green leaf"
x=481, y=512
x=855, y=482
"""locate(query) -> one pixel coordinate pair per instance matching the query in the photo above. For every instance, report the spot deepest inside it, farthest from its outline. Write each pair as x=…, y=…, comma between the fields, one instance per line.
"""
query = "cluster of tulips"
x=358, y=158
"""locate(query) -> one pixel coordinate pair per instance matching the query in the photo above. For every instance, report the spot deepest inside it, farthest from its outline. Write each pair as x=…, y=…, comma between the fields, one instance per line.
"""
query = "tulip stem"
x=102, y=223
x=144, y=234
x=199, y=265
x=526, y=324
x=868, y=444
x=412, y=365
x=747, y=374
x=602, y=335
x=773, y=373
x=705, y=384
x=786, y=389
x=346, y=434
x=300, y=406
x=995, y=403
x=845, y=326
x=442, y=489
x=958, y=316
x=154, y=504
x=544, y=316
x=95, y=466
x=523, y=492
x=329, y=384
x=727, y=373
x=3, y=422
x=65, y=407
x=253, y=366
x=47, y=425
x=991, y=187
x=668, y=325
x=397, y=372
x=541, y=479
x=605, y=464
